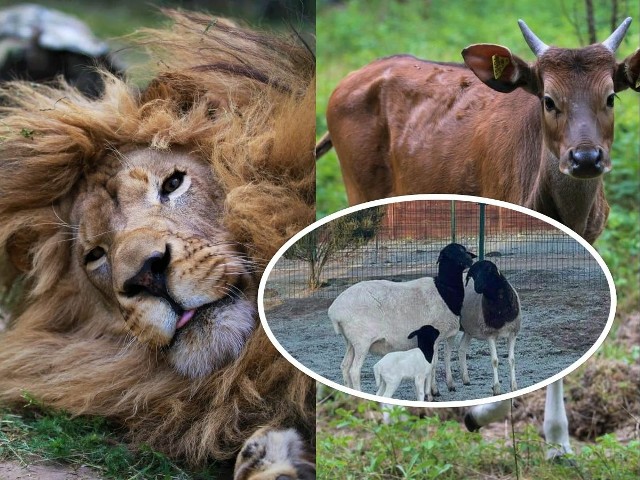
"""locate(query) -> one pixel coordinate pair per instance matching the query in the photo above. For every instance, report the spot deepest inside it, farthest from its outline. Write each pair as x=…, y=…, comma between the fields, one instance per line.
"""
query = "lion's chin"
x=213, y=338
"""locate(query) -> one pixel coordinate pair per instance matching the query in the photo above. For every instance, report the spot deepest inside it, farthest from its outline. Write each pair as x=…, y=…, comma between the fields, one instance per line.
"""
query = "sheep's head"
x=483, y=273
x=427, y=336
x=456, y=254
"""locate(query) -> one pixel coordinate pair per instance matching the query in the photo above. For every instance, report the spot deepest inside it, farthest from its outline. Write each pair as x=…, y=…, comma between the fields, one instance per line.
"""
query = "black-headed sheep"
x=374, y=316
x=491, y=310
x=415, y=364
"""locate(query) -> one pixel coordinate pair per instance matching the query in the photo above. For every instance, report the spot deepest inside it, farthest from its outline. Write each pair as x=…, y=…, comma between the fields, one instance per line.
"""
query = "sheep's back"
x=407, y=363
x=386, y=312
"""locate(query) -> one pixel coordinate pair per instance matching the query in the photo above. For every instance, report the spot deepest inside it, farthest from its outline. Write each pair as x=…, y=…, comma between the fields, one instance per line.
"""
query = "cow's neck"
x=579, y=204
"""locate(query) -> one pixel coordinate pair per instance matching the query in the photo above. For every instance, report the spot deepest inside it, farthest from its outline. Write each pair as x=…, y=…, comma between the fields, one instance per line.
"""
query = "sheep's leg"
x=448, y=347
x=345, y=366
x=419, y=382
x=356, y=368
x=556, y=425
x=494, y=364
x=391, y=386
x=434, y=363
x=462, y=357
x=382, y=387
x=512, y=361
x=427, y=387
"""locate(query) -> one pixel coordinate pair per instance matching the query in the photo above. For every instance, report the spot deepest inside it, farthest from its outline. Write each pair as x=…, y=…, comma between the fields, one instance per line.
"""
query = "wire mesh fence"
x=408, y=237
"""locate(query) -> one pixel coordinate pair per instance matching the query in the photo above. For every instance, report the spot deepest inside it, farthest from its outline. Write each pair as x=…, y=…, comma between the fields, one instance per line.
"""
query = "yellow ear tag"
x=638, y=83
x=499, y=64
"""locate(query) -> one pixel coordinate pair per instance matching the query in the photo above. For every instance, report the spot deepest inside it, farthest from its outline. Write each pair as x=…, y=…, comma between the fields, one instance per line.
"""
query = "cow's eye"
x=549, y=104
x=611, y=100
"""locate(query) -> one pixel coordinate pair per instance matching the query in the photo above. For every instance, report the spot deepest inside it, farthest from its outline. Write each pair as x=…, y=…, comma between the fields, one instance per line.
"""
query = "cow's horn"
x=613, y=42
x=536, y=45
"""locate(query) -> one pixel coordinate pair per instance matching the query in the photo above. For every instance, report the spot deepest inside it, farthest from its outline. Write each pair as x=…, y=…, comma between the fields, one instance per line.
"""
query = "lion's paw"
x=271, y=454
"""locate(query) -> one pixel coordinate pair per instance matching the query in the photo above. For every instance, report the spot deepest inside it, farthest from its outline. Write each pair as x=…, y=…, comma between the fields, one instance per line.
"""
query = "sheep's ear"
x=473, y=255
x=413, y=334
x=468, y=277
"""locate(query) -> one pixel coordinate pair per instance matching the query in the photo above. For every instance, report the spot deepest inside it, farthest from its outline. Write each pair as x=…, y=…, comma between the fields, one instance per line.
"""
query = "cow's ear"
x=497, y=68
x=628, y=73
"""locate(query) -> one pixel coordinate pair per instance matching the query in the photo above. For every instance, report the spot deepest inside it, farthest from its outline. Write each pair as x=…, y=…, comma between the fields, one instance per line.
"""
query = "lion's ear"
x=18, y=249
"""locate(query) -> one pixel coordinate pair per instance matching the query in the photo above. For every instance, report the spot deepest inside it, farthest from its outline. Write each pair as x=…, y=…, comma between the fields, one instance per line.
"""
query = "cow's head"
x=576, y=88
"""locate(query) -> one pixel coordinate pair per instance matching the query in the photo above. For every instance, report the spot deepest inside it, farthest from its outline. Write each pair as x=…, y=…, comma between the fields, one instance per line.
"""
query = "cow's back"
x=401, y=125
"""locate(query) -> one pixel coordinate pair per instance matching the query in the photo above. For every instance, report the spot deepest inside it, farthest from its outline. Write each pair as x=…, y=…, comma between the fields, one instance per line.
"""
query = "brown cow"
x=540, y=136
x=401, y=125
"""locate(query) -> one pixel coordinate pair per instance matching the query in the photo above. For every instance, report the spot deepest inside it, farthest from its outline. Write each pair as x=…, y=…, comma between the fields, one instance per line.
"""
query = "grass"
x=38, y=434
x=428, y=448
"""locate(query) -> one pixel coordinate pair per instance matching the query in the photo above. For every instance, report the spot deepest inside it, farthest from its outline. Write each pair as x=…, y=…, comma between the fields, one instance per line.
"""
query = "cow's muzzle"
x=587, y=162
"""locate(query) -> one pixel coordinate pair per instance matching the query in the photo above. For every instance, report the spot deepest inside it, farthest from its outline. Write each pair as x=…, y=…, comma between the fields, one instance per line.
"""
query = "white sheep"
x=415, y=364
x=373, y=315
x=491, y=309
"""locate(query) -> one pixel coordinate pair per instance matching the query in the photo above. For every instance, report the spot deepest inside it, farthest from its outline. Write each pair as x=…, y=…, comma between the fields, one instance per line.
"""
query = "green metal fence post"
x=481, y=233
x=453, y=221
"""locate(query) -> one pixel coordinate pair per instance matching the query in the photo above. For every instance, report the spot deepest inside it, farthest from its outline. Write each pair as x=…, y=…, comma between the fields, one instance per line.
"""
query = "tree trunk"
x=591, y=21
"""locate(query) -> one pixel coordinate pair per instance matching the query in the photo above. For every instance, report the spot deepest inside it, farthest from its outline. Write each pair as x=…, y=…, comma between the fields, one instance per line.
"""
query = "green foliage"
x=353, y=33
x=353, y=448
x=338, y=236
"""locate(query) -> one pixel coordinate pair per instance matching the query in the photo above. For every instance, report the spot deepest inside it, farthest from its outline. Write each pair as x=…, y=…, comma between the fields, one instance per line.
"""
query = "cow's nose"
x=586, y=162
x=151, y=277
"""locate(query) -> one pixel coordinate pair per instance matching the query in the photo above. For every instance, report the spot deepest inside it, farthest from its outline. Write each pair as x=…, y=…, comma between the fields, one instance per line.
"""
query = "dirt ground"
x=555, y=333
x=15, y=471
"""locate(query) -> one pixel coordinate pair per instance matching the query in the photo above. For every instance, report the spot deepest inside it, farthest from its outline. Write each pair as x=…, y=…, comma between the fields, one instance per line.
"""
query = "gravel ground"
x=556, y=331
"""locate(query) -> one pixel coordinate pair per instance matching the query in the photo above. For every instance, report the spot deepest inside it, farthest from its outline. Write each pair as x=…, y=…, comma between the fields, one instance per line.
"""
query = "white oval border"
x=457, y=403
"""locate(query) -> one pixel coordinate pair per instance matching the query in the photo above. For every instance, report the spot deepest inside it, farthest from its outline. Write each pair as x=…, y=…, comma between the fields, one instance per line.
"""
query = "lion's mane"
x=240, y=99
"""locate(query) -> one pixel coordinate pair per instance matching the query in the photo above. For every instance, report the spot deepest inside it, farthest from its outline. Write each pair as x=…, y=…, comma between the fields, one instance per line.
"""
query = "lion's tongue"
x=186, y=316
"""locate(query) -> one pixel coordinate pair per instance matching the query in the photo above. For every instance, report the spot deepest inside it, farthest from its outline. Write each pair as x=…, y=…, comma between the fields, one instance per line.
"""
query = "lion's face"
x=150, y=238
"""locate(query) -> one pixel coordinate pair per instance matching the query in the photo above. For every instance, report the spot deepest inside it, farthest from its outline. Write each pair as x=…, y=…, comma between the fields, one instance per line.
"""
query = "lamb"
x=415, y=363
x=371, y=315
x=491, y=309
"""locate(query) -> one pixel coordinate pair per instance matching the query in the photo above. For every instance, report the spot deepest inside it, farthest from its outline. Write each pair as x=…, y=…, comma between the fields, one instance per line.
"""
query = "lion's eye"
x=172, y=183
x=94, y=255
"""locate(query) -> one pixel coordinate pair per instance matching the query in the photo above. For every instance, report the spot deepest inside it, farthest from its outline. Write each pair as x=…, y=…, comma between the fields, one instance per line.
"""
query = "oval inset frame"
x=432, y=197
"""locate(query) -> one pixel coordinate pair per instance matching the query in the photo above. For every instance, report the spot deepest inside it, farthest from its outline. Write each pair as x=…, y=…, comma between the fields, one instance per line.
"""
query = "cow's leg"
x=481, y=415
x=463, y=348
x=494, y=364
x=556, y=425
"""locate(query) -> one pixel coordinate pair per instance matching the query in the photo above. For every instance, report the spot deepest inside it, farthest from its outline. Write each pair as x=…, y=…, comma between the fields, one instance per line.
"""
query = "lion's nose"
x=151, y=278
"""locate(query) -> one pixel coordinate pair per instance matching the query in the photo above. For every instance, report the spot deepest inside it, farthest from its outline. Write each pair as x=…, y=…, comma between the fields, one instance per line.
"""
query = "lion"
x=135, y=228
